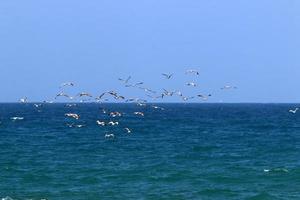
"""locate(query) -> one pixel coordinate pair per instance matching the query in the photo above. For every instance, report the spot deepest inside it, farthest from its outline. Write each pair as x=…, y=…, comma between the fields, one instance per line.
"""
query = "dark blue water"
x=187, y=151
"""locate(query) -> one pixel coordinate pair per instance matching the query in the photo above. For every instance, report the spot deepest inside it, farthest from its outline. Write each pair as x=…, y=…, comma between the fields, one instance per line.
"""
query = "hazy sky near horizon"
x=253, y=45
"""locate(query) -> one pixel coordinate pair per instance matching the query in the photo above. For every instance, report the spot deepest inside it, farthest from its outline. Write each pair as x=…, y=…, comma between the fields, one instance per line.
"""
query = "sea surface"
x=186, y=151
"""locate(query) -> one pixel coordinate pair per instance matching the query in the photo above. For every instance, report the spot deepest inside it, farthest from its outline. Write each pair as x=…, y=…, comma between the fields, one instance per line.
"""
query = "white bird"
x=167, y=76
x=23, y=100
x=191, y=84
x=227, y=87
x=16, y=118
x=156, y=107
x=294, y=111
x=128, y=130
x=37, y=105
x=100, y=123
x=204, y=97
x=62, y=95
x=139, y=113
x=187, y=98
x=147, y=90
x=67, y=84
x=81, y=94
x=167, y=93
x=111, y=135
x=192, y=71
x=113, y=123
x=115, y=114
x=125, y=80
x=73, y=115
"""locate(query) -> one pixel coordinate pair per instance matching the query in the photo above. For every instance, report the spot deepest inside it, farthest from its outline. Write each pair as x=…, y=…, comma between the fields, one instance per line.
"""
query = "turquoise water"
x=187, y=151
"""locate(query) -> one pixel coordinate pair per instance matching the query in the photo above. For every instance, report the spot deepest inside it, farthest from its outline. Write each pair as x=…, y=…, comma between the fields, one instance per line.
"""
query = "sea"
x=177, y=151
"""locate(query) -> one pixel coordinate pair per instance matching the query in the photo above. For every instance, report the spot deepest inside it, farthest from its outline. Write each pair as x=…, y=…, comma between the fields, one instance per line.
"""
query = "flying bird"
x=192, y=71
x=294, y=111
x=23, y=100
x=73, y=115
x=228, y=87
x=67, y=84
x=127, y=130
x=111, y=135
x=167, y=76
x=191, y=84
x=139, y=113
x=82, y=94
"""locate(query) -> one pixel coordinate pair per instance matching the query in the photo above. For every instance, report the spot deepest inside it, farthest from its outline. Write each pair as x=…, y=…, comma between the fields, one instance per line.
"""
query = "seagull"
x=100, y=123
x=187, y=98
x=192, y=71
x=84, y=94
x=73, y=115
x=191, y=84
x=204, y=97
x=125, y=81
x=111, y=135
x=156, y=107
x=71, y=104
x=16, y=118
x=113, y=123
x=115, y=114
x=37, y=105
x=139, y=113
x=62, y=95
x=23, y=100
x=147, y=90
x=179, y=93
x=67, y=84
x=227, y=87
x=80, y=126
x=167, y=76
x=141, y=104
x=128, y=130
x=167, y=93
x=294, y=111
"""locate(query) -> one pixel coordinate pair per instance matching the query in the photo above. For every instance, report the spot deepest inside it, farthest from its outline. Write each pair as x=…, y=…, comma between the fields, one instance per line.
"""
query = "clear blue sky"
x=253, y=44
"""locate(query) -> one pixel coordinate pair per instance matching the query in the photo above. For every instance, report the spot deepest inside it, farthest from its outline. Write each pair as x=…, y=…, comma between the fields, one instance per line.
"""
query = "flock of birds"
x=105, y=96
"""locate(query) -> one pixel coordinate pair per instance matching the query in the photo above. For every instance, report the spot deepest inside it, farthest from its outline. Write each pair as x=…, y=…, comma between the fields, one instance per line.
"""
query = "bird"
x=204, y=97
x=157, y=107
x=113, y=123
x=109, y=135
x=16, y=118
x=167, y=93
x=147, y=90
x=62, y=95
x=192, y=71
x=100, y=123
x=115, y=114
x=23, y=100
x=37, y=105
x=73, y=115
x=187, y=98
x=191, y=84
x=80, y=125
x=227, y=87
x=125, y=80
x=67, y=84
x=139, y=113
x=167, y=76
x=81, y=94
x=128, y=130
x=179, y=93
x=294, y=111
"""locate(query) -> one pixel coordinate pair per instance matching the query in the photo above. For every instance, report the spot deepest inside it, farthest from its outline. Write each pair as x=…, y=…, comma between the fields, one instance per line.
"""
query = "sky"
x=254, y=45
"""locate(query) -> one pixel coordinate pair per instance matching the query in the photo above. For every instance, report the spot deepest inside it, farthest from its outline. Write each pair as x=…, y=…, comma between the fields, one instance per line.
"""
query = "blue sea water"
x=187, y=151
